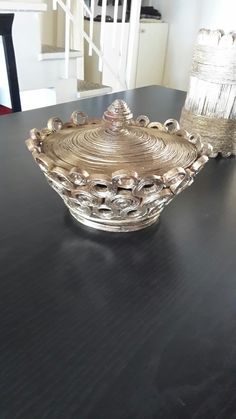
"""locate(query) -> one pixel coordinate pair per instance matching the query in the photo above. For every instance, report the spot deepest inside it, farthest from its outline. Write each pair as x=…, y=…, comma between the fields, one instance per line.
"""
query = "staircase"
x=50, y=74
x=41, y=67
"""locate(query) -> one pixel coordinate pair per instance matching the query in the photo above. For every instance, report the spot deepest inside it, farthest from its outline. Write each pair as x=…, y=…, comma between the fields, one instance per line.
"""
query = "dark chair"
x=6, y=21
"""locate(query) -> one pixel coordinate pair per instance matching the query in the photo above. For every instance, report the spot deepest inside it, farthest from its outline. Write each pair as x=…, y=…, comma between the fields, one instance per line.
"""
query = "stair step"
x=39, y=98
x=16, y=6
x=87, y=89
x=49, y=52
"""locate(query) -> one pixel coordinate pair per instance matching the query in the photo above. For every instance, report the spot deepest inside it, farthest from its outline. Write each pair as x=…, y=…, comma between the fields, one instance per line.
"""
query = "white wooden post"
x=67, y=40
x=66, y=88
x=91, y=23
x=77, y=40
x=122, y=34
x=115, y=24
x=133, y=43
x=77, y=34
x=90, y=13
x=103, y=22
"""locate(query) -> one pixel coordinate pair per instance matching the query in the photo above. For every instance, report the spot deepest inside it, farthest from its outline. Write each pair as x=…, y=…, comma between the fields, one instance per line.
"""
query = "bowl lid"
x=117, y=141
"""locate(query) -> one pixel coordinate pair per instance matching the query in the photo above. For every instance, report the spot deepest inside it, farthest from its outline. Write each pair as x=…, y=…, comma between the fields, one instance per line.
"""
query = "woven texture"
x=210, y=106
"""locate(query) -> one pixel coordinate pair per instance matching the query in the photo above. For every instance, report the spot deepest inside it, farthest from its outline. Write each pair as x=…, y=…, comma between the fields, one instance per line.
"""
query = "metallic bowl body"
x=116, y=173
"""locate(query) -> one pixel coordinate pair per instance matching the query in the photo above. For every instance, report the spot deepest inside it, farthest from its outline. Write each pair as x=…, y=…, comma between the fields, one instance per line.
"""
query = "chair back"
x=6, y=21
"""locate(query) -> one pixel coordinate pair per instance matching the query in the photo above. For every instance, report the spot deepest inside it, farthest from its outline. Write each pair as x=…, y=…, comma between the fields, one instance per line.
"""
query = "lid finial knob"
x=117, y=115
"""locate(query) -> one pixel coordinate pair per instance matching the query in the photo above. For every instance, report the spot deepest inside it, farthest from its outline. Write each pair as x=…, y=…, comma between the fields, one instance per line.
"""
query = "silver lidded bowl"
x=117, y=173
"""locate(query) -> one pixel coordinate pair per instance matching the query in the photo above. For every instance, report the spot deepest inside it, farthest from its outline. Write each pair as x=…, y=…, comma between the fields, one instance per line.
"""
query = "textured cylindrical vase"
x=210, y=106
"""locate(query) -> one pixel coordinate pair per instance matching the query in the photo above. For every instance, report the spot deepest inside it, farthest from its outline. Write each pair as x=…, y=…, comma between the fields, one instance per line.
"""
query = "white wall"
x=185, y=18
x=48, y=25
x=218, y=14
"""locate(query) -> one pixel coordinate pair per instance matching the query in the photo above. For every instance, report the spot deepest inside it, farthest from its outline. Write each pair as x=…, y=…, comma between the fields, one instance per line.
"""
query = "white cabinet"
x=148, y=62
x=151, y=53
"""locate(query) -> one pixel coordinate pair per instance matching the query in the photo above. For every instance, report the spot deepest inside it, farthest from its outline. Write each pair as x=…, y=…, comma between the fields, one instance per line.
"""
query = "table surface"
x=115, y=326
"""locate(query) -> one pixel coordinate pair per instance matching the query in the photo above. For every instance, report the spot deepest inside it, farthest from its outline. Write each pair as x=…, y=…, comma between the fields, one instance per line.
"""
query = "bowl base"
x=115, y=226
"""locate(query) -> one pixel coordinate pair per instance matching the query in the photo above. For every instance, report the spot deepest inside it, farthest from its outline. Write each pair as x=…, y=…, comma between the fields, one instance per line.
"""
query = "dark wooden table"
x=115, y=326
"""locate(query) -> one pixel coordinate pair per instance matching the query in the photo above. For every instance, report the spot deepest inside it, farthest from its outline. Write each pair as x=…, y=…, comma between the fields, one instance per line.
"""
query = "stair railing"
x=71, y=19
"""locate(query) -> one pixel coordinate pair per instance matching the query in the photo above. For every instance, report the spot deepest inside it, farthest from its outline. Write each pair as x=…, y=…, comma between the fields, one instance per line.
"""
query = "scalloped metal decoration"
x=117, y=173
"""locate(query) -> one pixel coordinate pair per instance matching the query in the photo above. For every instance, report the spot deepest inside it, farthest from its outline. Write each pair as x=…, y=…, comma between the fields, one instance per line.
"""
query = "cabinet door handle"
x=142, y=30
